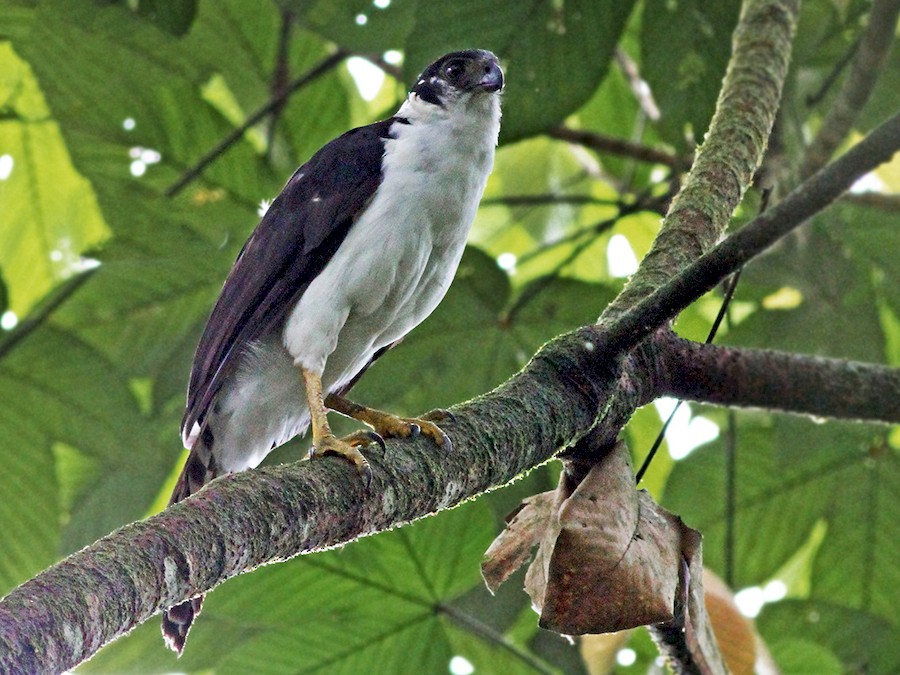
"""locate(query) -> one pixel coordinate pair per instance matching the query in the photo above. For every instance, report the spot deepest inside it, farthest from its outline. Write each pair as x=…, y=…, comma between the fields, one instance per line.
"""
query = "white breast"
x=399, y=258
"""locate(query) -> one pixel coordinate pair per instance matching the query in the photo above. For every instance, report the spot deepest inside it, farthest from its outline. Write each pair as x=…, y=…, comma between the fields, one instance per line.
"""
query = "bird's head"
x=470, y=74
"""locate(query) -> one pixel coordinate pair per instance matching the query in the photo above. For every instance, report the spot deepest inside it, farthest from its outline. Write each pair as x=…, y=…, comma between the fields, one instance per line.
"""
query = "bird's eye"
x=453, y=70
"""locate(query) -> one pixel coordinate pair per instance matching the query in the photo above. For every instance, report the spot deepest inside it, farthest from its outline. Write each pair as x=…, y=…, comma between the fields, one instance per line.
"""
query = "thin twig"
x=867, y=66
x=549, y=199
x=730, y=496
x=618, y=146
x=311, y=75
x=876, y=200
x=40, y=315
x=532, y=291
x=639, y=86
x=643, y=203
x=828, y=82
x=730, y=287
x=279, y=82
x=391, y=69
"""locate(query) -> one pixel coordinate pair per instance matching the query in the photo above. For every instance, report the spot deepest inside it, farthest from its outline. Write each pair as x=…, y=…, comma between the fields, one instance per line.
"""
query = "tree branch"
x=867, y=66
x=731, y=154
x=890, y=203
x=618, y=146
x=774, y=380
x=548, y=199
x=806, y=200
x=68, y=612
x=273, y=104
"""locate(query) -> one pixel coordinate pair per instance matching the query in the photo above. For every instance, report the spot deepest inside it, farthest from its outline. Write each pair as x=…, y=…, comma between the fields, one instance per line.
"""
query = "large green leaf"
x=685, y=45
x=49, y=211
x=70, y=424
x=829, y=633
x=872, y=237
x=790, y=474
x=820, y=298
x=556, y=53
x=359, y=25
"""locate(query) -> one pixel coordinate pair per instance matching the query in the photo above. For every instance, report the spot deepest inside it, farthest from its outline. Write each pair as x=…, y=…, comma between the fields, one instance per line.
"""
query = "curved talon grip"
x=376, y=438
x=439, y=415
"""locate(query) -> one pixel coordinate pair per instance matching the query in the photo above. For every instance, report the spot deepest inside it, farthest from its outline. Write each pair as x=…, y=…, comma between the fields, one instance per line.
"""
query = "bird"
x=359, y=247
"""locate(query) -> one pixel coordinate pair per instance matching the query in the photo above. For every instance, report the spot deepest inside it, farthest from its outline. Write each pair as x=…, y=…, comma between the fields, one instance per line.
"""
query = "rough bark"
x=772, y=380
x=731, y=153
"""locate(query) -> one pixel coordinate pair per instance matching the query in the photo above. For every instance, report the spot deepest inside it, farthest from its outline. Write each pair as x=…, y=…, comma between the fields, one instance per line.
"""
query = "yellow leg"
x=391, y=426
x=324, y=441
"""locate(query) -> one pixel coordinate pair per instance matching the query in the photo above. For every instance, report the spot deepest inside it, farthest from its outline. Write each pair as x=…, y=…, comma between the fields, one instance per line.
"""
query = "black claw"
x=439, y=415
x=376, y=438
x=414, y=430
x=446, y=443
x=312, y=451
x=366, y=472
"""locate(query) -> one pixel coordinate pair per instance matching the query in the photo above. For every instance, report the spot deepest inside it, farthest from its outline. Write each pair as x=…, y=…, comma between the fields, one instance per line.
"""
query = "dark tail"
x=198, y=471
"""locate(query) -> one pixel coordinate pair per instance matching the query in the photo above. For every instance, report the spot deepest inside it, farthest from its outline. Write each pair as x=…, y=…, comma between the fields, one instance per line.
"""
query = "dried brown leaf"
x=512, y=548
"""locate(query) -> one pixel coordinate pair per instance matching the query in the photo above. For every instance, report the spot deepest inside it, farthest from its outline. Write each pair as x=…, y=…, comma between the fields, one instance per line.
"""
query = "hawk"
x=359, y=248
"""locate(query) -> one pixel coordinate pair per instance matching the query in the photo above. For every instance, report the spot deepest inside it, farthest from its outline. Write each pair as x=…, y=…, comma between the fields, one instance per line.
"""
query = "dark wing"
x=291, y=245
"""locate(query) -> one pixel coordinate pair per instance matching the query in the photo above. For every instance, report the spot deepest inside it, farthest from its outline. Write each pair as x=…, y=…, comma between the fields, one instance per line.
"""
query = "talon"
x=325, y=442
x=376, y=438
x=392, y=426
x=346, y=448
x=439, y=415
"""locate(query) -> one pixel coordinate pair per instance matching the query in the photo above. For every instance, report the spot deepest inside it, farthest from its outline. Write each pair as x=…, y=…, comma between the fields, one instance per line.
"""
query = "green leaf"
x=685, y=46
x=556, y=54
x=861, y=642
x=857, y=561
x=790, y=474
x=173, y=16
x=358, y=25
x=870, y=236
x=52, y=207
x=832, y=300
x=29, y=510
x=70, y=395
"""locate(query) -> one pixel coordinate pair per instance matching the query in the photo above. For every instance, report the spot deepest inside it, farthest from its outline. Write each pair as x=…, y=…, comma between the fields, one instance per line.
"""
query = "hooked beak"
x=492, y=80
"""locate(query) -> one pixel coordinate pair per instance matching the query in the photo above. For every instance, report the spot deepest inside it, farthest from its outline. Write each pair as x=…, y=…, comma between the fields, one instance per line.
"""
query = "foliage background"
x=92, y=377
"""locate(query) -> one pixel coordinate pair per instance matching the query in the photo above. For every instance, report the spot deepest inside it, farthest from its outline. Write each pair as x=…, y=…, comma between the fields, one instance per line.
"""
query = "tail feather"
x=199, y=470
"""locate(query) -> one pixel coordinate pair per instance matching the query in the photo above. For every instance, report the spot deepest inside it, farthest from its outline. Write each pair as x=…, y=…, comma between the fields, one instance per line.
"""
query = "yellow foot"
x=348, y=448
x=391, y=426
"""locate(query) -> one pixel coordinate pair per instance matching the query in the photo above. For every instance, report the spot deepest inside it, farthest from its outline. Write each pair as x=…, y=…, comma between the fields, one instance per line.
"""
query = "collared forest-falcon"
x=358, y=249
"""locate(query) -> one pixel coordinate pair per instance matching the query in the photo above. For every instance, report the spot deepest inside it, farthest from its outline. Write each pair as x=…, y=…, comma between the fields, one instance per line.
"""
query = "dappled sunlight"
x=687, y=431
x=6, y=166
